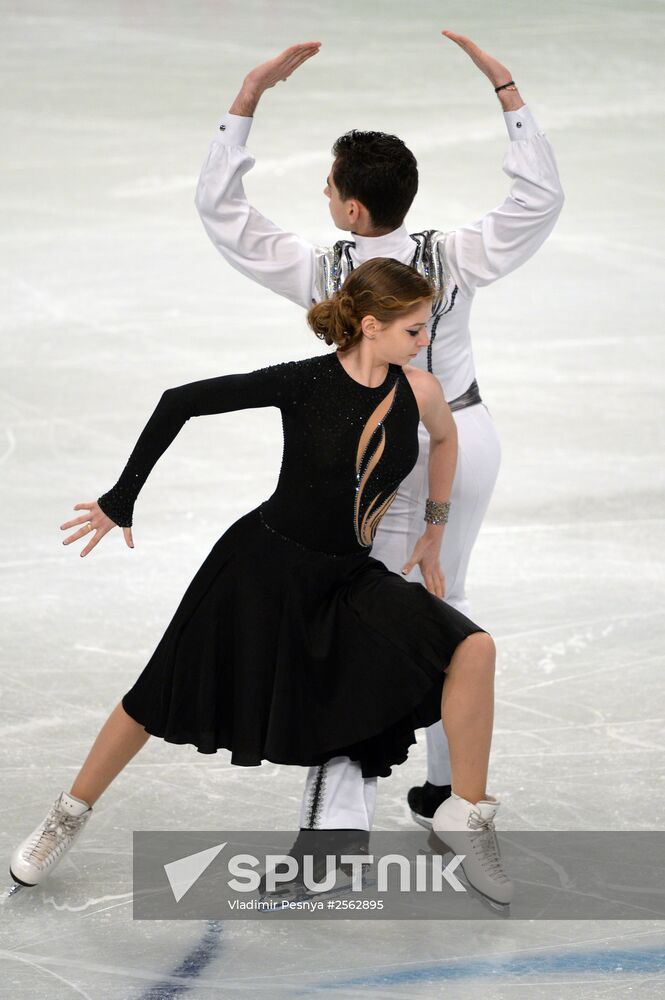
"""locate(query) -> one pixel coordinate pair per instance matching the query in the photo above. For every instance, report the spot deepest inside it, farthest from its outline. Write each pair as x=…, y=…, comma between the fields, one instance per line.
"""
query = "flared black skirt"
x=280, y=653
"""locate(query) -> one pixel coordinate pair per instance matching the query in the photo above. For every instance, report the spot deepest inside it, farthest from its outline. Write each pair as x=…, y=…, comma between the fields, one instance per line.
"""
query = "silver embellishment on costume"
x=333, y=266
x=430, y=260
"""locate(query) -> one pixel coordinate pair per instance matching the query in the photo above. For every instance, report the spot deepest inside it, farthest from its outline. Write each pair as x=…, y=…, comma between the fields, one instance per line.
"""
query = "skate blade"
x=8, y=893
x=423, y=821
x=439, y=846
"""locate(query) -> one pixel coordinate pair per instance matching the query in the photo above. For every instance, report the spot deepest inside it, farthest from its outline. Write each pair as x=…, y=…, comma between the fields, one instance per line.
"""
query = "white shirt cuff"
x=233, y=130
x=520, y=124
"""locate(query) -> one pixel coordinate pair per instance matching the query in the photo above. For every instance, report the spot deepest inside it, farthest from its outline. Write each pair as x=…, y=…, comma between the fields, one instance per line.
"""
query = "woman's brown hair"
x=382, y=287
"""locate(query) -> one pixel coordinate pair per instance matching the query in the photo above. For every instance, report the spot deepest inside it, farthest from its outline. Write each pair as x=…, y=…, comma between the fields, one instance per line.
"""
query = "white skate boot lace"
x=486, y=846
x=58, y=829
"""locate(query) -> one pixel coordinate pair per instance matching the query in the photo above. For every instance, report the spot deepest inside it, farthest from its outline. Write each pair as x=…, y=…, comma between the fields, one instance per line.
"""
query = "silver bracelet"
x=437, y=511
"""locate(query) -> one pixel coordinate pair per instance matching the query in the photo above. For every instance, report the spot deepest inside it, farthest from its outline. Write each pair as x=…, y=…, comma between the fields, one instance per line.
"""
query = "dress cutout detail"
x=370, y=449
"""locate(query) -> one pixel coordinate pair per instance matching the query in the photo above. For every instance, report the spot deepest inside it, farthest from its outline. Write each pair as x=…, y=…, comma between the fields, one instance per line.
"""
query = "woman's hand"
x=426, y=555
x=95, y=520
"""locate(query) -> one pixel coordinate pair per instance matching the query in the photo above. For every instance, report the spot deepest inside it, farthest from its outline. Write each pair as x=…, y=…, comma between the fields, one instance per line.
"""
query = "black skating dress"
x=292, y=644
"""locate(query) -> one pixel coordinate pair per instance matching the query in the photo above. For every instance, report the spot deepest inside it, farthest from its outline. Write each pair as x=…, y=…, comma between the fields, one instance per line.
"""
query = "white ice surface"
x=112, y=293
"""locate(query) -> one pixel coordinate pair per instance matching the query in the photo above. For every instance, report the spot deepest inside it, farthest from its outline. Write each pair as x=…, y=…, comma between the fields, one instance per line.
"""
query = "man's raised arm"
x=252, y=244
x=508, y=235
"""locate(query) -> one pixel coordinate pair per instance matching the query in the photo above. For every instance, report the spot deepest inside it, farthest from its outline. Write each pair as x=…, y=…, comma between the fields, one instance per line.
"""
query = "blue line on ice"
x=609, y=962
x=191, y=966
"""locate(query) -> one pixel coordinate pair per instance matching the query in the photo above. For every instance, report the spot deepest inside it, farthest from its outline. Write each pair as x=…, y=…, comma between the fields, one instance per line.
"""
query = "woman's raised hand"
x=94, y=521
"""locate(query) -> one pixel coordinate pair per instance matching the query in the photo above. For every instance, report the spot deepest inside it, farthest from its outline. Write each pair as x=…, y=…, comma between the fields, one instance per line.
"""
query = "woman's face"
x=399, y=341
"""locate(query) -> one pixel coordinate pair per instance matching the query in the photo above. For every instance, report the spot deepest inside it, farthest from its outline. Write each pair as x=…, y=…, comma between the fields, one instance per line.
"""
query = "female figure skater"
x=292, y=644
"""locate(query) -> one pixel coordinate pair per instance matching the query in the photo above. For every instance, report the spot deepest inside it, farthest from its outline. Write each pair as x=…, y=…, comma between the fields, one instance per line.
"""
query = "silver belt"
x=469, y=398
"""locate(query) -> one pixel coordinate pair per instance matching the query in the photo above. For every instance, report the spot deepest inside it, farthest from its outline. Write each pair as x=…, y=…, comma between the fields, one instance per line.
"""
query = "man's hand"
x=262, y=77
x=495, y=71
x=94, y=521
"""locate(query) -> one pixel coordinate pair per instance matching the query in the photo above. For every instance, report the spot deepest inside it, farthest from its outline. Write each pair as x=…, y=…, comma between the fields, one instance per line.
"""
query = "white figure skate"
x=468, y=828
x=35, y=858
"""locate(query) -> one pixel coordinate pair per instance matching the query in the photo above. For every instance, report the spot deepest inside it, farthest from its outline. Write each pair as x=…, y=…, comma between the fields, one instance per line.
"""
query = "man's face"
x=344, y=213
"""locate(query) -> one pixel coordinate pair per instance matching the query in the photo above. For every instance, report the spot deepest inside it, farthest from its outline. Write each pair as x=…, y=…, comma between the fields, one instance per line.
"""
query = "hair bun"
x=345, y=302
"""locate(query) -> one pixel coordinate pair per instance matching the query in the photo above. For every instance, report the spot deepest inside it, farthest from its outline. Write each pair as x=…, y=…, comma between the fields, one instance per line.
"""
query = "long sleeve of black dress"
x=273, y=386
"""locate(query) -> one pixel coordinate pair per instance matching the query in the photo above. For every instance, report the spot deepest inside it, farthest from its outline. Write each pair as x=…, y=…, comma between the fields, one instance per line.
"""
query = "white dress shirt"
x=476, y=254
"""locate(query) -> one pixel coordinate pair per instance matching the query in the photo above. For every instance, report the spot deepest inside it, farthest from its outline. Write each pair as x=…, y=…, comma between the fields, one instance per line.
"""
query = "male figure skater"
x=370, y=187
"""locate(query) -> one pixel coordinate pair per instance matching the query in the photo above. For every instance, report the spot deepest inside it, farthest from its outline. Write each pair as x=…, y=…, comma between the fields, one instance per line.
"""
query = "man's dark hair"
x=378, y=170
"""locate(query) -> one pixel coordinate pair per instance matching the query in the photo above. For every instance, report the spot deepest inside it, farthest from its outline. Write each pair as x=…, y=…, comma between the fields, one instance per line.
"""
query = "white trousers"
x=336, y=795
